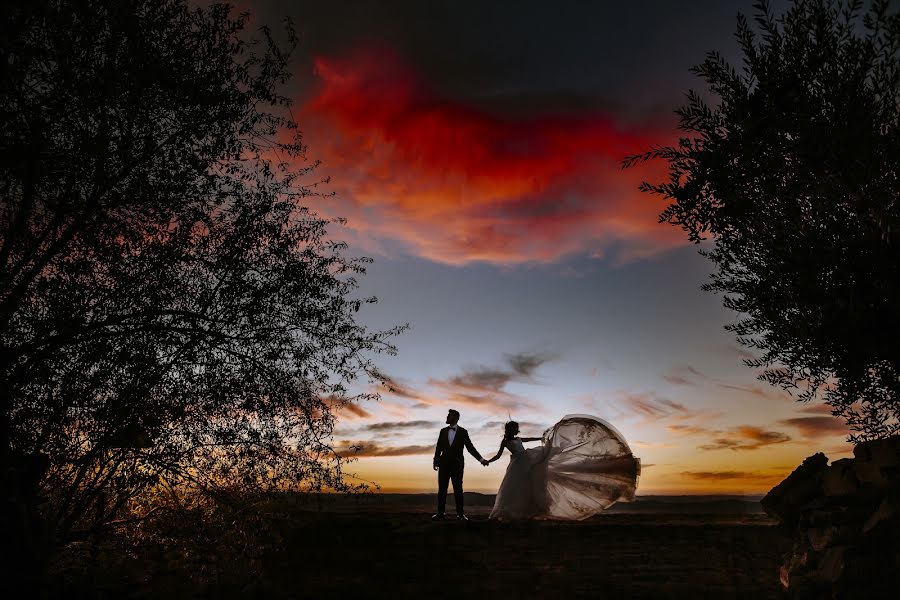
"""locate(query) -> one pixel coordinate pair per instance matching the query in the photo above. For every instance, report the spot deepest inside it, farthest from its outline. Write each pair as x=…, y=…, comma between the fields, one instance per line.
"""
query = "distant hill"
x=475, y=502
x=713, y=504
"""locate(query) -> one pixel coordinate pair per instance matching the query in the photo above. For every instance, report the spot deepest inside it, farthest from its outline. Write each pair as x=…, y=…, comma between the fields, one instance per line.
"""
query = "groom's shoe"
x=437, y=517
x=462, y=518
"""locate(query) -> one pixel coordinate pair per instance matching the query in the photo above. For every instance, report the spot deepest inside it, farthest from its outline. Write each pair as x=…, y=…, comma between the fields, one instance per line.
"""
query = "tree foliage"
x=172, y=313
x=791, y=167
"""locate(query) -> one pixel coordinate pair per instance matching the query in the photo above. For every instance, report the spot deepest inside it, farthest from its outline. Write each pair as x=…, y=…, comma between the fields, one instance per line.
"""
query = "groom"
x=449, y=463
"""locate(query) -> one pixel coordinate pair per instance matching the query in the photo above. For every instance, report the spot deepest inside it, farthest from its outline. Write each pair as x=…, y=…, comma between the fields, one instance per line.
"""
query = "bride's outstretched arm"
x=499, y=452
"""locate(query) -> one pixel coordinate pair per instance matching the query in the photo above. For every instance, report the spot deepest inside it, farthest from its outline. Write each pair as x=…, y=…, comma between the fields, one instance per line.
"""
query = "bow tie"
x=453, y=428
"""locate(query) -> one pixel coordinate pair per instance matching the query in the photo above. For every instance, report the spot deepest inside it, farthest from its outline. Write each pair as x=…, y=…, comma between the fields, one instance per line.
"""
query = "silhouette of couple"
x=582, y=467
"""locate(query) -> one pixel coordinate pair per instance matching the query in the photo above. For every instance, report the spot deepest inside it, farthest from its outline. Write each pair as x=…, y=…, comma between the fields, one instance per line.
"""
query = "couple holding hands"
x=582, y=467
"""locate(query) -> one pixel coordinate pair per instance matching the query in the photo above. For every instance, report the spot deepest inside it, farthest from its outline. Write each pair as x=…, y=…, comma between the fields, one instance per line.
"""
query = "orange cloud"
x=346, y=409
x=455, y=183
x=747, y=437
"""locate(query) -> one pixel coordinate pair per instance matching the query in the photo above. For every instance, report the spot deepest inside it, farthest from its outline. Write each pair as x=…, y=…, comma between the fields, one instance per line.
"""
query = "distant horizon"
x=392, y=492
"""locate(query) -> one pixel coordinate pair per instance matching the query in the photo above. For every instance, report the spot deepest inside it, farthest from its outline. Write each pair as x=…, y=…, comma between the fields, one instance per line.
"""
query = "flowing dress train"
x=582, y=467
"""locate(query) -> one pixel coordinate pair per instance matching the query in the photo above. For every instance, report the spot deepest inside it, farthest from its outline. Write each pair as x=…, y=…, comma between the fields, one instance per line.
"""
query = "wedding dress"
x=582, y=467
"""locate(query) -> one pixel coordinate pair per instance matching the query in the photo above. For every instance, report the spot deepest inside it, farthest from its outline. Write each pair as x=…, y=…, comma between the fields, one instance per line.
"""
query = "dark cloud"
x=653, y=407
x=490, y=379
x=724, y=444
x=395, y=425
x=690, y=429
x=525, y=364
x=483, y=53
x=685, y=375
x=451, y=396
x=813, y=427
x=746, y=437
x=691, y=376
x=521, y=367
x=484, y=386
x=479, y=386
x=394, y=387
x=725, y=475
x=819, y=423
x=362, y=449
x=476, y=386
x=676, y=379
x=756, y=390
x=742, y=353
x=677, y=406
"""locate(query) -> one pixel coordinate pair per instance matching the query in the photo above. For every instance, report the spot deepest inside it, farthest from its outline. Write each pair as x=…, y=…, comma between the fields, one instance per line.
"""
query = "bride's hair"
x=510, y=430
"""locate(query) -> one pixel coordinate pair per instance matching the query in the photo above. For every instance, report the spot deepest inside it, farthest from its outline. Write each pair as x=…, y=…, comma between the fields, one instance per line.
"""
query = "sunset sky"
x=474, y=149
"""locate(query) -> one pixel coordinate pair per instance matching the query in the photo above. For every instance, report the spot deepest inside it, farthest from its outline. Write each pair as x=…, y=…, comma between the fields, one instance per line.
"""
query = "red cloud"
x=455, y=183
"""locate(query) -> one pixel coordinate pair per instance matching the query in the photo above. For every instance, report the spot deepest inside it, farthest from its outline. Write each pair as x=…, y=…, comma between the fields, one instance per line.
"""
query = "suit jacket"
x=451, y=455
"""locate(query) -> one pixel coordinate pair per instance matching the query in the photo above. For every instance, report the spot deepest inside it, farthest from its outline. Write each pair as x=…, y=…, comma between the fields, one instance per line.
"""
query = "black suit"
x=448, y=458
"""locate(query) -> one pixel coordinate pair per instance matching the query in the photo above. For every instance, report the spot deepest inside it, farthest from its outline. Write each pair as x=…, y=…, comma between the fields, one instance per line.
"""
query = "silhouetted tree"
x=171, y=313
x=792, y=170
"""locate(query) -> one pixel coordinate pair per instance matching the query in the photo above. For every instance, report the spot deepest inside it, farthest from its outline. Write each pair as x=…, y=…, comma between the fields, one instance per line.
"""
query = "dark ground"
x=380, y=548
x=624, y=556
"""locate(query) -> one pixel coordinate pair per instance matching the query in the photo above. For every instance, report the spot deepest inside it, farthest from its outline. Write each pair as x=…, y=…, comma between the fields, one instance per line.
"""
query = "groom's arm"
x=437, y=451
x=471, y=448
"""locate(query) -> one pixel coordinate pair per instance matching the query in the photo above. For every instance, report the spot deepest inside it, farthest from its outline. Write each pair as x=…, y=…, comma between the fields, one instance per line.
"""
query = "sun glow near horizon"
x=676, y=464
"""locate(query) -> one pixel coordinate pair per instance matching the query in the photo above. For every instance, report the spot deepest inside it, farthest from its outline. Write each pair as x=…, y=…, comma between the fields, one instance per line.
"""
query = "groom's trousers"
x=447, y=474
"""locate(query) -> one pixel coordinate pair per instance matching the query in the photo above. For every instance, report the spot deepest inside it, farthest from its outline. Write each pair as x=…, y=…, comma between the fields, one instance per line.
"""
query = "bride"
x=582, y=467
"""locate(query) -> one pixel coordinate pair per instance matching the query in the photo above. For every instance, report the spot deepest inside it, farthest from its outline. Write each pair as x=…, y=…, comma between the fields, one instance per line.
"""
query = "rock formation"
x=845, y=522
